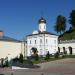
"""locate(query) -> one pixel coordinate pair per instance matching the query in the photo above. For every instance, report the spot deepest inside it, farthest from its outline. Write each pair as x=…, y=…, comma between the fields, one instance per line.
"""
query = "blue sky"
x=19, y=18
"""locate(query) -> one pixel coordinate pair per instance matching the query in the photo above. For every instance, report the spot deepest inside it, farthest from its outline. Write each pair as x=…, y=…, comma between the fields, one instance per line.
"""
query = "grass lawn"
x=43, y=61
x=69, y=56
x=52, y=59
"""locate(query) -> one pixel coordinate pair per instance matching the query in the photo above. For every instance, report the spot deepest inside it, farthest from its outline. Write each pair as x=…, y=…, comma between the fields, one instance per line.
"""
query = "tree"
x=2, y=60
x=21, y=58
x=6, y=62
x=56, y=55
x=36, y=57
x=47, y=56
x=60, y=24
x=72, y=18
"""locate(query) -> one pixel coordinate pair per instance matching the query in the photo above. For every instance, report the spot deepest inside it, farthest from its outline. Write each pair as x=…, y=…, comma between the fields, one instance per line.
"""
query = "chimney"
x=1, y=33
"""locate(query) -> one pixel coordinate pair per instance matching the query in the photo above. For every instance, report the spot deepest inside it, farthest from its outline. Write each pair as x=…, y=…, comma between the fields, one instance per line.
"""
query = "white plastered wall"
x=67, y=45
x=9, y=49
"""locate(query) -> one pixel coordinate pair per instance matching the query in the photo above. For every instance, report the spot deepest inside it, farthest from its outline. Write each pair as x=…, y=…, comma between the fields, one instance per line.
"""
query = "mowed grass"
x=69, y=56
x=52, y=59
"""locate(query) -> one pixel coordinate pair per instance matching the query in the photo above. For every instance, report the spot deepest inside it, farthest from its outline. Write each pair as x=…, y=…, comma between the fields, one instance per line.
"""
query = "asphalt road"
x=58, y=67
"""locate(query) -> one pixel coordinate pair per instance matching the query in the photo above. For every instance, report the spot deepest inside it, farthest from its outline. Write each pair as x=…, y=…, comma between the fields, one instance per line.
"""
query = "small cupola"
x=42, y=24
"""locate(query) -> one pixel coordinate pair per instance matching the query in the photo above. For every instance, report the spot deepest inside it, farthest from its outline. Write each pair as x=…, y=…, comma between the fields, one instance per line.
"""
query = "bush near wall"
x=56, y=55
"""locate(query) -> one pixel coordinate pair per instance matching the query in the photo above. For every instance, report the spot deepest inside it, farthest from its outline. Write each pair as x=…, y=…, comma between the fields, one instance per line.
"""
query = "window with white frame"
x=46, y=40
x=40, y=40
x=30, y=41
x=35, y=41
x=54, y=41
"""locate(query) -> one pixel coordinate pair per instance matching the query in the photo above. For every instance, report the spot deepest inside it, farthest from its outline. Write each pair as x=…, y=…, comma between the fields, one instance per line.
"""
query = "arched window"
x=34, y=50
x=64, y=50
x=70, y=50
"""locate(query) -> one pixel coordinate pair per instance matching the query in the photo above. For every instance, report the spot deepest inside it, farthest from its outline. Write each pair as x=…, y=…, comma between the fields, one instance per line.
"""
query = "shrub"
x=56, y=55
x=65, y=52
x=36, y=57
x=47, y=56
x=7, y=64
x=21, y=58
x=2, y=60
x=15, y=59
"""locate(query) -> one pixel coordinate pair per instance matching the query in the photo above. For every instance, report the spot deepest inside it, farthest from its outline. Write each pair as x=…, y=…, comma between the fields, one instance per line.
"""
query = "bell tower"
x=42, y=24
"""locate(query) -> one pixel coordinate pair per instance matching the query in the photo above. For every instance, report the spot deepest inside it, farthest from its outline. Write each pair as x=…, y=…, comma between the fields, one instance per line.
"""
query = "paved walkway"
x=58, y=67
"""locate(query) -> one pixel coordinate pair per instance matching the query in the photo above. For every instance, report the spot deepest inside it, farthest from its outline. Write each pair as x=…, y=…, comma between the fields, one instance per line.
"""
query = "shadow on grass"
x=23, y=65
x=2, y=74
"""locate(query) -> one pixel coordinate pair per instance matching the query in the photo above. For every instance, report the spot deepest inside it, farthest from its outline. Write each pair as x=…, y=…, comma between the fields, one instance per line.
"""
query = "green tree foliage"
x=21, y=58
x=6, y=62
x=56, y=55
x=47, y=56
x=60, y=24
x=2, y=60
x=36, y=57
x=72, y=18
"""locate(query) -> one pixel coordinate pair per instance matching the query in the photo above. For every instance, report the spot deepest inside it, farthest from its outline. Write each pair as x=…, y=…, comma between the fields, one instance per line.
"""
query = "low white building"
x=68, y=46
x=42, y=40
x=9, y=47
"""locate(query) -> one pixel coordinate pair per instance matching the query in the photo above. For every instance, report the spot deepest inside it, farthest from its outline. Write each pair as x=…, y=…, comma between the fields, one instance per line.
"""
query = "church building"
x=42, y=40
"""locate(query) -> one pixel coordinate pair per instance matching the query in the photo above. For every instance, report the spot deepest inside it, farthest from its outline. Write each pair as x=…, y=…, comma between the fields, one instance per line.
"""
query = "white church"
x=42, y=40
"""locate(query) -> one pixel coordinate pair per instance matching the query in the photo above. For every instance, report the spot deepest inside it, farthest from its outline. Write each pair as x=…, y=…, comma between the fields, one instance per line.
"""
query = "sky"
x=19, y=18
